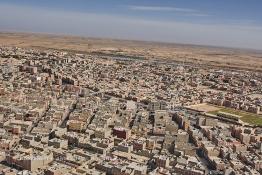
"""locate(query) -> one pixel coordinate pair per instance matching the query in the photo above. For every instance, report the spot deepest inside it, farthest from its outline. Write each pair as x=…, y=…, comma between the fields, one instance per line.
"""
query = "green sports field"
x=247, y=117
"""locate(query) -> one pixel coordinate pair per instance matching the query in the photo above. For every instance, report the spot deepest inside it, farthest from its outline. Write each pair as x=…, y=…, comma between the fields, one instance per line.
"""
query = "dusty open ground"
x=213, y=56
x=204, y=107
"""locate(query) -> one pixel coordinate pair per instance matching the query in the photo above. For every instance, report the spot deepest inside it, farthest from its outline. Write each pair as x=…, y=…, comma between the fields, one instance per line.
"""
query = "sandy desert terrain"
x=209, y=56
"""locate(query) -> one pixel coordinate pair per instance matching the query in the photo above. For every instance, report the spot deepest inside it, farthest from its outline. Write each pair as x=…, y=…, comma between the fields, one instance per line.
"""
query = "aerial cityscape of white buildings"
x=67, y=113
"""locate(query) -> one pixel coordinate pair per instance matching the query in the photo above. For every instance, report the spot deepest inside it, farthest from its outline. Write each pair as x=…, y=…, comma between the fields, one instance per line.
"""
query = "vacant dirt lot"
x=203, y=107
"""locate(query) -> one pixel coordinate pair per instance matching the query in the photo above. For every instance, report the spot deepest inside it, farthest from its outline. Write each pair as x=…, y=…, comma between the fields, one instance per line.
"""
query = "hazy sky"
x=233, y=23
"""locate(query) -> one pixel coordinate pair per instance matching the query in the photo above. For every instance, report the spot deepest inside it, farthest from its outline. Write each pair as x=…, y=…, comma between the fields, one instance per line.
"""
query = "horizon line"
x=131, y=40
